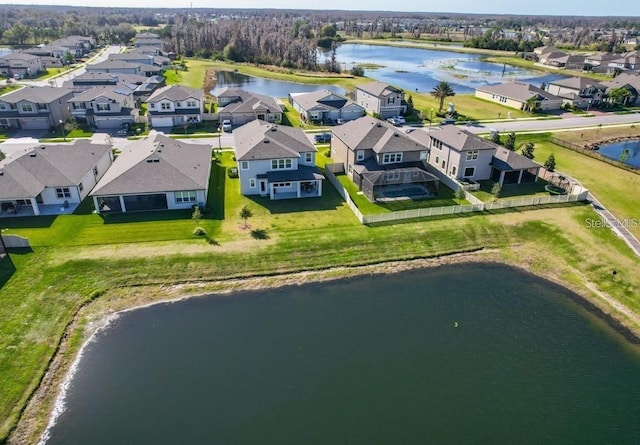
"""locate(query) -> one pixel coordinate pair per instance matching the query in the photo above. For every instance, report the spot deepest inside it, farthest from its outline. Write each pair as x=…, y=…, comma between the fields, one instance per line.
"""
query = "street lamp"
x=64, y=136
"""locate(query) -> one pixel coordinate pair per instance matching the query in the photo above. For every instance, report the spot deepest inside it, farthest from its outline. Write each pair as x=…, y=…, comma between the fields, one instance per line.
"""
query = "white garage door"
x=36, y=123
x=161, y=122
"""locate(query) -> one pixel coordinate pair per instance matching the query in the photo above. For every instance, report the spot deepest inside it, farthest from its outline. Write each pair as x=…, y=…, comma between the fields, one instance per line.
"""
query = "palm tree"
x=441, y=91
x=532, y=104
x=619, y=96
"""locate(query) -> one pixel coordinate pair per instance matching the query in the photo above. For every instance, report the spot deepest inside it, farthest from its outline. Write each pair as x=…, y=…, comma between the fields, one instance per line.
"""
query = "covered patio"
x=509, y=167
x=306, y=182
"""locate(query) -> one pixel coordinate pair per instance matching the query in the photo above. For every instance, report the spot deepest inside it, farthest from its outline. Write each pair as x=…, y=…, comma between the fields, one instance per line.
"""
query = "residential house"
x=579, y=91
x=381, y=160
x=325, y=107
x=132, y=57
x=143, y=42
x=114, y=67
x=380, y=99
x=51, y=56
x=566, y=61
x=630, y=82
x=626, y=62
x=520, y=96
x=175, y=105
x=599, y=62
x=21, y=64
x=240, y=107
x=155, y=173
x=545, y=50
x=462, y=155
x=104, y=106
x=76, y=45
x=35, y=108
x=276, y=161
x=51, y=179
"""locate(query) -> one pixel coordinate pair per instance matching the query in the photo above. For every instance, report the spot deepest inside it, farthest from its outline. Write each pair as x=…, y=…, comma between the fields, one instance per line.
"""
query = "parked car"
x=323, y=138
x=392, y=121
x=400, y=120
x=226, y=126
x=124, y=129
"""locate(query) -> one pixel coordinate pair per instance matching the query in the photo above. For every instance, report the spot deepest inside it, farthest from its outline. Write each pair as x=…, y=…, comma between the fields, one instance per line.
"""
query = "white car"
x=400, y=120
x=226, y=126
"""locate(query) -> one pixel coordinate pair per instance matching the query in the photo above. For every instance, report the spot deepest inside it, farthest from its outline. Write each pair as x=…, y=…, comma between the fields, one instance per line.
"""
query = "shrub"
x=496, y=189
x=459, y=193
x=199, y=231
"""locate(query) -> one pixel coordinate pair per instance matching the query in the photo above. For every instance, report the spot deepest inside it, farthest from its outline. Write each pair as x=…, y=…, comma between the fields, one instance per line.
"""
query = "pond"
x=472, y=353
x=269, y=87
x=415, y=69
x=627, y=152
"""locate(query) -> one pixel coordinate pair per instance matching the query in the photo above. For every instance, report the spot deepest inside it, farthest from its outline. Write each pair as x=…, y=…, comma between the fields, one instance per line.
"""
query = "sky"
x=625, y=8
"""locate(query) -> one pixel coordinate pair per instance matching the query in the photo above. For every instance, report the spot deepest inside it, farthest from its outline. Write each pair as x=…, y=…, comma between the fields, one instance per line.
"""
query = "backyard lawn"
x=511, y=191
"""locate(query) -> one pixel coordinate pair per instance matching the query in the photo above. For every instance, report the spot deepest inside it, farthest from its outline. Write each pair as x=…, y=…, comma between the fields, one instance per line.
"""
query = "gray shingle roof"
x=517, y=91
x=631, y=79
x=367, y=133
x=248, y=102
x=112, y=64
x=157, y=164
x=507, y=160
x=40, y=95
x=378, y=88
x=26, y=175
x=259, y=140
x=18, y=55
x=461, y=140
x=175, y=93
x=323, y=99
x=117, y=93
x=578, y=83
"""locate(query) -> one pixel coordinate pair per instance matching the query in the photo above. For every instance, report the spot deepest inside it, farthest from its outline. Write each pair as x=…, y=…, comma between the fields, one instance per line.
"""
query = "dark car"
x=323, y=138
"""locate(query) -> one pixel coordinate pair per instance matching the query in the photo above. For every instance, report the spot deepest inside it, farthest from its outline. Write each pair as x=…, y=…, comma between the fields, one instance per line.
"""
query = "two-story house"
x=380, y=99
x=325, y=106
x=579, y=91
x=240, y=107
x=131, y=57
x=104, y=106
x=76, y=45
x=464, y=156
x=276, y=161
x=21, y=64
x=35, y=108
x=382, y=161
x=175, y=105
x=51, y=179
x=630, y=82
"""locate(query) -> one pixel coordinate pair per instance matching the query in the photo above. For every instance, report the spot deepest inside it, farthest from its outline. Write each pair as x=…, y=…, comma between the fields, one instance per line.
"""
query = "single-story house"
x=517, y=95
x=155, y=173
x=51, y=179
x=240, y=107
x=509, y=167
x=325, y=106
x=276, y=161
x=382, y=161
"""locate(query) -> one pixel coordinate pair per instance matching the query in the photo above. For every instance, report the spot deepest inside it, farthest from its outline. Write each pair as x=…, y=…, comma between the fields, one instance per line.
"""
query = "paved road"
x=63, y=77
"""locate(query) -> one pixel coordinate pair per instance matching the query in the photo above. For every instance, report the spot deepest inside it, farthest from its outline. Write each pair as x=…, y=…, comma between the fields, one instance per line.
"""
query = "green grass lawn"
x=511, y=191
x=616, y=188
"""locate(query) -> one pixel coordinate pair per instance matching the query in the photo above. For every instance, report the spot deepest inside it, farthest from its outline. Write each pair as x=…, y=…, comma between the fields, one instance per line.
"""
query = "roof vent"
x=266, y=141
x=274, y=128
x=156, y=160
x=42, y=147
x=396, y=134
x=32, y=154
x=1, y=173
x=149, y=161
x=378, y=125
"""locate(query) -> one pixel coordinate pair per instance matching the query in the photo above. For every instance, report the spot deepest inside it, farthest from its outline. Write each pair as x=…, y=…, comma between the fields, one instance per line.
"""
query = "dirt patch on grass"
x=210, y=81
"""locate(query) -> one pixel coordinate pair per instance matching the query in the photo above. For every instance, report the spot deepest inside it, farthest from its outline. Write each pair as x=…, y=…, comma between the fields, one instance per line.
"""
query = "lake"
x=456, y=354
x=270, y=87
x=616, y=150
x=415, y=69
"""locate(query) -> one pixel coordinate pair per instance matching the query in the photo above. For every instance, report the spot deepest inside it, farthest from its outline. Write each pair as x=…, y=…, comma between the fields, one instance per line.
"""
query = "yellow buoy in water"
x=455, y=324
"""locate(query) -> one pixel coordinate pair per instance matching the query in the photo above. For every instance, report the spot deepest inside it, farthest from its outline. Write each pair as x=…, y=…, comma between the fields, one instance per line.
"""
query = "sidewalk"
x=616, y=225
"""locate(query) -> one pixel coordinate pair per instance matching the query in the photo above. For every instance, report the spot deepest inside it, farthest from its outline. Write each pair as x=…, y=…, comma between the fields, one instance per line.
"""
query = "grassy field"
x=616, y=188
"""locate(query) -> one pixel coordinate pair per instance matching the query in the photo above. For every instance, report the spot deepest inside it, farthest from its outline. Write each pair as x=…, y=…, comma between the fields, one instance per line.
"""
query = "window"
x=3, y=107
x=423, y=155
x=95, y=171
x=280, y=164
x=26, y=108
x=103, y=107
x=391, y=100
x=80, y=187
x=188, y=196
x=437, y=159
x=63, y=192
x=444, y=164
x=469, y=171
x=453, y=170
x=191, y=104
x=359, y=155
x=390, y=158
x=252, y=183
x=178, y=104
x=244, y=165
x=308, y=158
x=392, y=176
x=436, y=143
x=472, y=155
x=350, y=168
x=165, y=106
x=152, y=105
x=281, y=184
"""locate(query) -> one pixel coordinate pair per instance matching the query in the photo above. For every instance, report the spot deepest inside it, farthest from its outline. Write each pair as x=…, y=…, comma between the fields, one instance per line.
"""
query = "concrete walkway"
x=619, y=227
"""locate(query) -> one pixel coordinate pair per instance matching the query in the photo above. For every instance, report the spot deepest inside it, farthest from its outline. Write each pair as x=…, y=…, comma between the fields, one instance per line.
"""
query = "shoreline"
x=94, y=315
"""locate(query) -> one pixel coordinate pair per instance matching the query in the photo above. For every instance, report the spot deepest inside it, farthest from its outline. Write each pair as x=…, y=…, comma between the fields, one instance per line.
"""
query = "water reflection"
x=270, y=87
x=627, y=152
